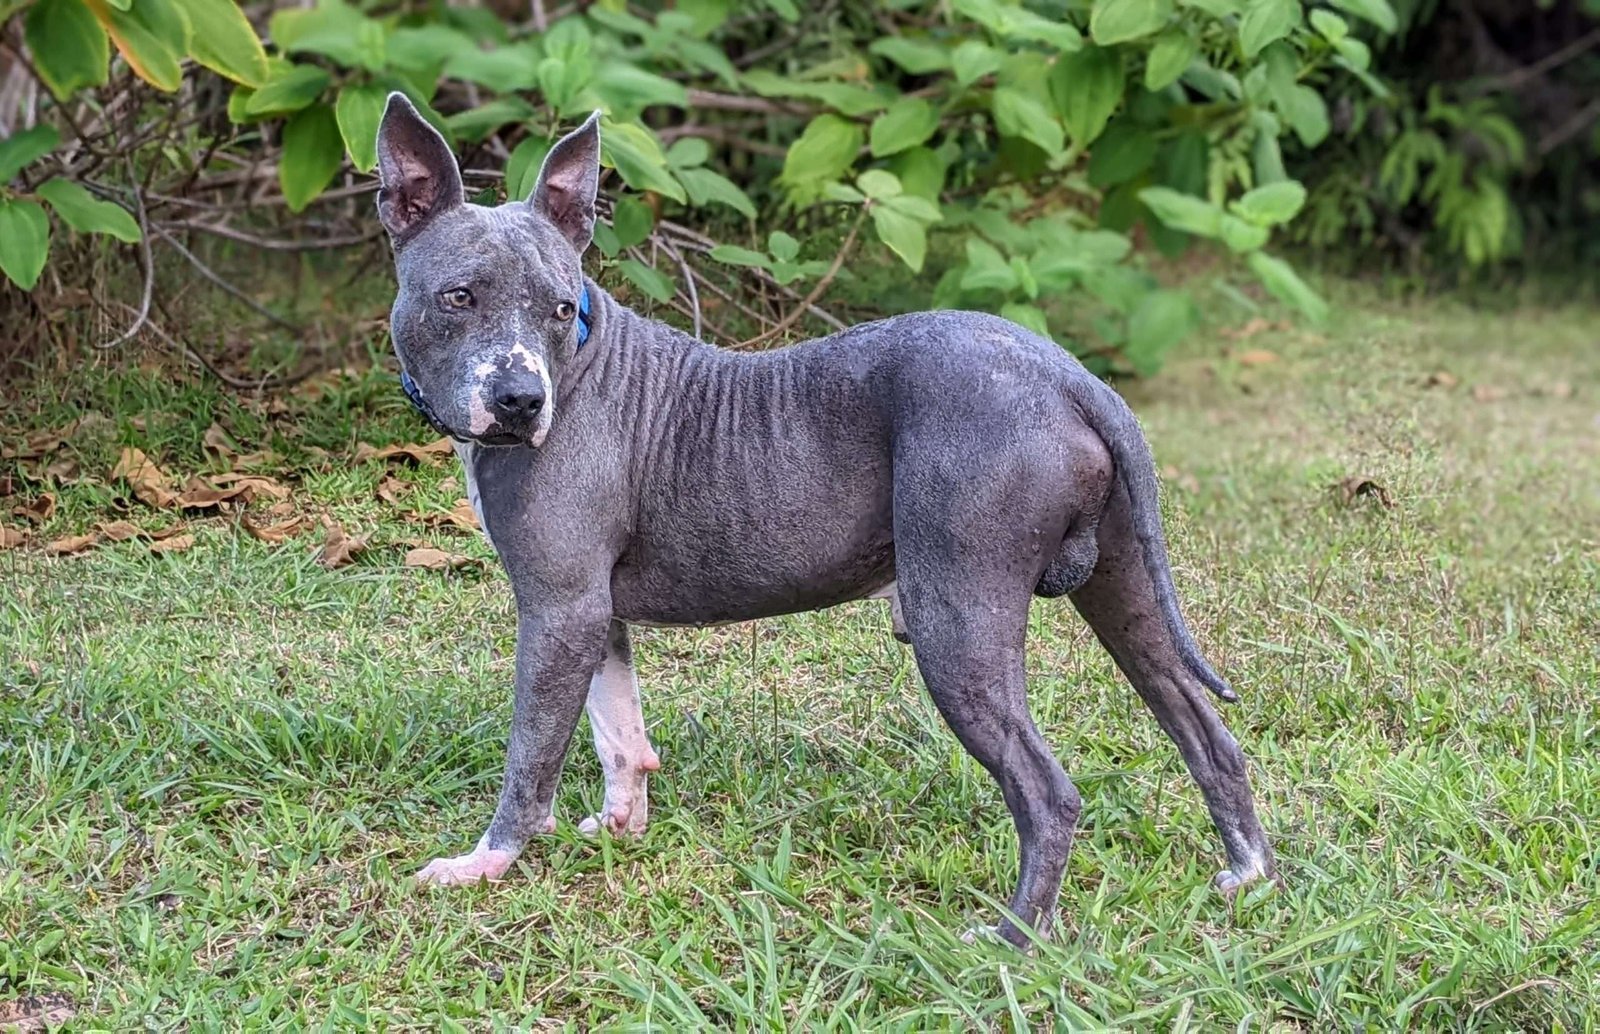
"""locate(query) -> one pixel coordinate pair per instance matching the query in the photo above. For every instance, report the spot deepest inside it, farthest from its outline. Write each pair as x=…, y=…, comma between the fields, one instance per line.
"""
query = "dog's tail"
x=1116, y=425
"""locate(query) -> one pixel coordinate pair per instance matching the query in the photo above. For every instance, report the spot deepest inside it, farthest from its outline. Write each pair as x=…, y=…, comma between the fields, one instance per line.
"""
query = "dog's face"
x=487, y=310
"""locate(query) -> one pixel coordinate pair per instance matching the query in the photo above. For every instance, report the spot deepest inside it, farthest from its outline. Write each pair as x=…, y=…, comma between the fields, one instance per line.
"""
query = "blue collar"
x=409, y=386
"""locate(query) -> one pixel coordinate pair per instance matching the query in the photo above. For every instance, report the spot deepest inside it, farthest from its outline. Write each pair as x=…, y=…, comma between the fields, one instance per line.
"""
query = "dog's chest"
x=466, y=452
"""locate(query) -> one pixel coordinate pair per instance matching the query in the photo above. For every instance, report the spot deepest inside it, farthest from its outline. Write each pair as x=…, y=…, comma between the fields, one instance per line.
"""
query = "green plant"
x=1037, y=139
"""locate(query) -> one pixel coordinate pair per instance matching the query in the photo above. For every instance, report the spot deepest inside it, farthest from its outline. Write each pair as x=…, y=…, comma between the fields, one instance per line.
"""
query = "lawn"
x=222, y=764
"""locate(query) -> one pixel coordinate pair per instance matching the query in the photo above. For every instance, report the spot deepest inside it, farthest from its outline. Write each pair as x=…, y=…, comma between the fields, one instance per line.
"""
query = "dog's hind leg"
x=1119, y=601
x=617, y=722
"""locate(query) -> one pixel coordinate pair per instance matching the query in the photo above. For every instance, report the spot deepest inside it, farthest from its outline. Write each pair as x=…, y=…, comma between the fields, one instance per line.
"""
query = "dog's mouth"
x=501, y=439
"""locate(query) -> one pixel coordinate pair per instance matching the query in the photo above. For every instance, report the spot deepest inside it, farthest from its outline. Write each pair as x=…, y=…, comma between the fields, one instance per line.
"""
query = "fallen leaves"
x=433, y=559
x=1353, y=487
x=70, y=545
x=1251, y=328
x=1488, y=392
x=176, y=544
x=11, y=538
x=338, y=547
x=1256, y=357
x=148, y=481
x=38, y=511
x=274, y=533
x=460, y=515
x=152, y=486
x=37, y=1012
x=424, y=455
x=1441, y=379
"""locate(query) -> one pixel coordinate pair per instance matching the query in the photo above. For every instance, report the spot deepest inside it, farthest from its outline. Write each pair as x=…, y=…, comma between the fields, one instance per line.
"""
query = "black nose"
x=518, y=399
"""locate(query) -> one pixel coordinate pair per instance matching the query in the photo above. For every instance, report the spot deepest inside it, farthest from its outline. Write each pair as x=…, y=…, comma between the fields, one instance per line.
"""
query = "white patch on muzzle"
x=479, y=419
x=536, y=364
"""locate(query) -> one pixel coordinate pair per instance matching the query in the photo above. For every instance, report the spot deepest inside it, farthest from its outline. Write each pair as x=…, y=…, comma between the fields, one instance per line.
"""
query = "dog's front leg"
x=620, y=740
x=558, y=649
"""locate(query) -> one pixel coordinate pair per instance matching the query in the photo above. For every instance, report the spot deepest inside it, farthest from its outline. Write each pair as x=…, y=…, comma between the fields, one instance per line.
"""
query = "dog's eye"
x=457, y=298
x=565, y=311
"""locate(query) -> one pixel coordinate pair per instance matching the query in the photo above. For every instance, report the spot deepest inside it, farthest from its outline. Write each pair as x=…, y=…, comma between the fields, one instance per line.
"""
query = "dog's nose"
x=518, y=400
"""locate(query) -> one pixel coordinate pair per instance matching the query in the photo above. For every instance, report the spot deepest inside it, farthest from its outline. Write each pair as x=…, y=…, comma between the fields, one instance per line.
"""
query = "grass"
x=222, y=766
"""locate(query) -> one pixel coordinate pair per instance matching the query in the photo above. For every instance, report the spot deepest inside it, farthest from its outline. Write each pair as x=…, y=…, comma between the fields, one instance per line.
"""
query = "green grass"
x=220, y=767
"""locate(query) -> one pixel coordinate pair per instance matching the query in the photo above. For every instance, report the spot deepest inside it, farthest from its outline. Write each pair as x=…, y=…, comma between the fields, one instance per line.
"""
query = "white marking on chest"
x=465, y=452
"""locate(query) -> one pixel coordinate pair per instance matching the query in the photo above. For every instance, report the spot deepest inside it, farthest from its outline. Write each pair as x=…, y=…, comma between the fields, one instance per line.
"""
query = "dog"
x=953, y=463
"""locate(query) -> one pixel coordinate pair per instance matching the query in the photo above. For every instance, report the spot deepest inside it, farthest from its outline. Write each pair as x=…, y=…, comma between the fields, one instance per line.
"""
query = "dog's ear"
x=568, y=182
x=419, y=174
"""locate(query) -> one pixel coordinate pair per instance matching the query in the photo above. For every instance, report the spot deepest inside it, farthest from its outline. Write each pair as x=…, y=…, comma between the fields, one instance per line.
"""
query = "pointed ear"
x=418, y=172
x=568, y=182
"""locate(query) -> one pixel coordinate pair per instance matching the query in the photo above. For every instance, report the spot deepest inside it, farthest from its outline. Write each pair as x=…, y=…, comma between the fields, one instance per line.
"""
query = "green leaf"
x=424, y=49
x=1123, y=152
x=973, y=60
x=1029, y=316
x=628, y=88
x=1020, y=114
x=1267, y=21
x=822, y=153
x=24, y=241
x=879, y=184
x=522, y=168
x=648, y=279
x=905, y=235
x=705, y=186
x=847, y=98
x=908, y=122
x=503, y=69
x=734, y=255
x=783, y=246
x=477, y=123
x=561, y=79
x=1307, y=114
x=1286, y=285
x=1086, y=88
x=1218, y=9
x=289, y=91
x=1160, y=320
x=632, y=221
x=1014, y=22
x=1332, y=27
x=224, y=42
x=921, y=172
x=359, y=110
x=688, y=152
x=333, y=29
x=1378, y=12
x=312, y=154
x=917, y=56
x=69, y=47
x=987, y=269
x=1118, y=21
x=1272, y=204
x=652, y=281
x=1169, y=58
x=20, y=150
x=1183, y=211
x=86, y=213
x=150, y=52
x=638, y=159
x=1241, y=236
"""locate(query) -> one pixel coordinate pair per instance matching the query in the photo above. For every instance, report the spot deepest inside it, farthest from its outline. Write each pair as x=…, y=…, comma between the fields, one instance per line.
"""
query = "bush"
x=1037, y=143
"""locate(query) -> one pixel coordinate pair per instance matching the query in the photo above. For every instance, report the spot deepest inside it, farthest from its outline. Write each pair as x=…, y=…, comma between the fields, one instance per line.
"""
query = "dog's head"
x=487, y=310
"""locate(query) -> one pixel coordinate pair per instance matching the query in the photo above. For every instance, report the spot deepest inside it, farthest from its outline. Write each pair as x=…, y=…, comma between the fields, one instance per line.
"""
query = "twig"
x=688, y=279
x=183, y=347
x=1570, y=128
x=216, y=278
x=710, y=100
x=817, y=291
x=273, y=243
x=1513, y=80
x=146, y=259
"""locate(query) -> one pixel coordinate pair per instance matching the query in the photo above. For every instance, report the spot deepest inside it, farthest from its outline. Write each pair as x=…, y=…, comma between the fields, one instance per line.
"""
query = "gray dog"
x=950, y=462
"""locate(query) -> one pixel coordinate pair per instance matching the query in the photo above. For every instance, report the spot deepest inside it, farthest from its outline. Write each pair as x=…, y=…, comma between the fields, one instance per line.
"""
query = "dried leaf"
x=243, y=488
x=121, y=531
x=461, y=515
x=428, y=453
x=72, y=544
x=1488, y=392
x=1256, y=357
x=165, y=533
x=262, y=458
x=148, y=481
x=435, y=559
x=11, y=538
x=63, y=470
x=450, y=484
x=38, y=511
x=8, y=485
x=1441, y=379
x=175, y=544
x=1356, y=485
x=1246, y=331
x=1557, y=390
x=390, y=489
x=276, y=533
x=338, y=548
x=217, y=440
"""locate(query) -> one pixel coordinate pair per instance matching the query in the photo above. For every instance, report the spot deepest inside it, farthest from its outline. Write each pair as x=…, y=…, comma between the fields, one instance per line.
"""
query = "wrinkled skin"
x=952, y=463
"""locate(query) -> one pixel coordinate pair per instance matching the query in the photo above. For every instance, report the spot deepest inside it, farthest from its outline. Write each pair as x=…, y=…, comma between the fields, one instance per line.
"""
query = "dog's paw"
x=617, y=820
x=483, y=863
x=1230, y=882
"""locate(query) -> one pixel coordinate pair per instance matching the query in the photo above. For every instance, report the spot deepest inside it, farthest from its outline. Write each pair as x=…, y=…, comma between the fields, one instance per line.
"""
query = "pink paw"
x=617, y=819
x=482, y=864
